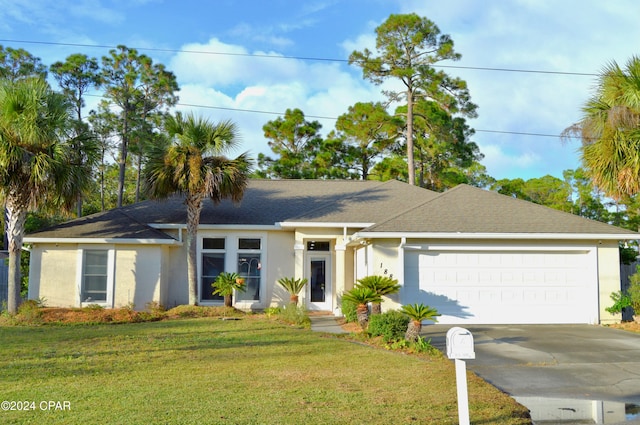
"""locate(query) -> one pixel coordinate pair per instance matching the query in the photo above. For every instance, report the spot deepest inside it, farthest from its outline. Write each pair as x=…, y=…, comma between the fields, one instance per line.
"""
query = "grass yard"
x=210, y=371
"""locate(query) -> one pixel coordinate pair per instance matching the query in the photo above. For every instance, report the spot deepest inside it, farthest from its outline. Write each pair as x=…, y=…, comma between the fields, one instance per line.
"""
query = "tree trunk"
x=362, y=312
x=122, y=161
x=293, y=299
x=138, y=178
x=410, y=163
x=194, y=206
x=228, y=300
x=376, y=308
x=413, y=331
x=16, y=216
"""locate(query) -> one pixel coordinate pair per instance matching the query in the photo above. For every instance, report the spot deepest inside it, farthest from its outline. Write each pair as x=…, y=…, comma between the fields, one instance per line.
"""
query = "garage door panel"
x=504, y=287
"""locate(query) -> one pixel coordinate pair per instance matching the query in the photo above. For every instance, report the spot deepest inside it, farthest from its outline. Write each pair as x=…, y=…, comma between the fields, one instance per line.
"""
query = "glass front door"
x=319, y=275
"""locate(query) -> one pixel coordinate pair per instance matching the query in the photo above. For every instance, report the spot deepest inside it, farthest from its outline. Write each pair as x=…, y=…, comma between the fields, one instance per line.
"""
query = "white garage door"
x=504, y=287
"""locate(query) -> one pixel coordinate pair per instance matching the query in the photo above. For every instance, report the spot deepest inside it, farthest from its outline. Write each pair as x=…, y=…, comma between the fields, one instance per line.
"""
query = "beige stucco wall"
x=609, y=277
x=279, y=263
x=54, y=274
x=387, y=261
x=55, y=265
x=176, y=274
x=137, y=275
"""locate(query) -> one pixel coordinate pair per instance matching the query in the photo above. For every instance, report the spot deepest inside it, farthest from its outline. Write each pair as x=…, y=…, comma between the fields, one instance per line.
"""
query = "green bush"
x=620, y=300
x=272, y=311
x=349, y=311
x=391, y=325
x=294, y=315
x=29, y=312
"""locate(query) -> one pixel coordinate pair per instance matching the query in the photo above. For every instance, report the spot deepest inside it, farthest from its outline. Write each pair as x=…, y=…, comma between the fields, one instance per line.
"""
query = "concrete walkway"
x=326, y=323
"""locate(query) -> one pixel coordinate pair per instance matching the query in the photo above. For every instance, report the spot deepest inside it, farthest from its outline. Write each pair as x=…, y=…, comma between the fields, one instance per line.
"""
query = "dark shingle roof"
x=113, y=224
x=392, y=205
x=265, y=202
x=467, y=209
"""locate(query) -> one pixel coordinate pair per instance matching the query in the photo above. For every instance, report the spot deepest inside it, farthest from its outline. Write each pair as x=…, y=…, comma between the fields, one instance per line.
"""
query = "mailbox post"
x=459, y=348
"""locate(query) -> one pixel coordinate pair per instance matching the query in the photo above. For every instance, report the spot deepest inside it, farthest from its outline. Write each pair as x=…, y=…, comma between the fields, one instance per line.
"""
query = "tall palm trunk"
x=16, y=211
x=194, y=206
x=413, y=330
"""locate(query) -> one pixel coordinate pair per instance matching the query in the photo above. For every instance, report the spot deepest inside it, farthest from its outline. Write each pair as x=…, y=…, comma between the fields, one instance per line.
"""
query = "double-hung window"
x=96, y=276
x=250, y=268
x=213, y=258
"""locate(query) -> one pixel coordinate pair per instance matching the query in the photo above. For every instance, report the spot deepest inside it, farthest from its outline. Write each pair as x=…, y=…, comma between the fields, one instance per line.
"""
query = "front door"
x=319, y=294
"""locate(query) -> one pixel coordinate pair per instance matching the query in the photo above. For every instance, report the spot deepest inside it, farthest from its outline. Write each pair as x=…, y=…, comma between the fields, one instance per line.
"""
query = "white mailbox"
x=460, y=344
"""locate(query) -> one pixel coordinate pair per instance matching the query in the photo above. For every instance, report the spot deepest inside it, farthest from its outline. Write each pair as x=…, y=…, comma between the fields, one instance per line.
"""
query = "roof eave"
x=294, y=224
x=502, y=236
x=119, y=241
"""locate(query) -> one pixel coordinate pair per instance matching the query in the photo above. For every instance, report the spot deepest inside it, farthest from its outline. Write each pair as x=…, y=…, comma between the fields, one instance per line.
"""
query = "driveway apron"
x=554, y=361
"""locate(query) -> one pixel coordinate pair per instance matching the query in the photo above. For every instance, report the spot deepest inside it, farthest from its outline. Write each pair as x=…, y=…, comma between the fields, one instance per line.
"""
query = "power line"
x=257, y=111
x=303, y=58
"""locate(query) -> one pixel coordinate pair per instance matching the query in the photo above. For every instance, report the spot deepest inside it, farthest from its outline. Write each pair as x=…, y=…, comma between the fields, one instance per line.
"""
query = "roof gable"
x=467, y=209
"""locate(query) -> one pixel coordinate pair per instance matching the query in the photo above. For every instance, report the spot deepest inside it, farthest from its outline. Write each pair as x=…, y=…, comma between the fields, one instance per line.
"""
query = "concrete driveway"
x=531, y=362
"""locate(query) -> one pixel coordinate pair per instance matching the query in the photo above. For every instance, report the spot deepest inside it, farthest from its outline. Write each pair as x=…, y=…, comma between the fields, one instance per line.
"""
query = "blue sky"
x=556, y=36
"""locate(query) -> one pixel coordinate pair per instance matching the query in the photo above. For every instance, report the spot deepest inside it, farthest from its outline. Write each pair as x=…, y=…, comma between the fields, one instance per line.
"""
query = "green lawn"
x=210, y=371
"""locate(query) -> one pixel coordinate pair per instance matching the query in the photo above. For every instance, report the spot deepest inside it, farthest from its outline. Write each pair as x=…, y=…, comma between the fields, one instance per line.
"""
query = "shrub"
x=201, y=311
x=29, y=313
x=620, y=300
x=272, y=311
x=634, y=292
x=294, y=315
x=391, y=325
x=349, y=311
x=155, y=308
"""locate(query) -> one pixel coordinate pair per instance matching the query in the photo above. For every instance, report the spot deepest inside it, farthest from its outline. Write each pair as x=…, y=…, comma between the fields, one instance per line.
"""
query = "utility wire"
x=320, y=117
x=303, y=58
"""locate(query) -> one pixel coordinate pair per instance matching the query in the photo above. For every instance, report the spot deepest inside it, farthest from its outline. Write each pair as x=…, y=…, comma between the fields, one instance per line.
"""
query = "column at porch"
x=340, y=282
x=298, y=252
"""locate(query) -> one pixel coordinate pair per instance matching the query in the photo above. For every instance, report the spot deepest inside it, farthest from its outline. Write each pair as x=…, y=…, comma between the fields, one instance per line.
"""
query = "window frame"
x=202, y=252
x=80, y=275
x=251, y=251
x=232, y=252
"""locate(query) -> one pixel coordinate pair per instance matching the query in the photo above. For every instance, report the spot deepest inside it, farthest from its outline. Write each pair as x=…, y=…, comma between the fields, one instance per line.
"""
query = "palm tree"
x=418, y=313
x=381, y=285
x=610, y=131
x=226, y=283
x=361, y=297
x=36, y=170
x=293, y=287
x=192, y=164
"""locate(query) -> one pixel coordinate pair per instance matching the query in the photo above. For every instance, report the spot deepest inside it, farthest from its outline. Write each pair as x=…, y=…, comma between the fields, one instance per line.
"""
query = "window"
x=250, y=268
x=318, y=246
x=213, y=258
x=94, y=276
